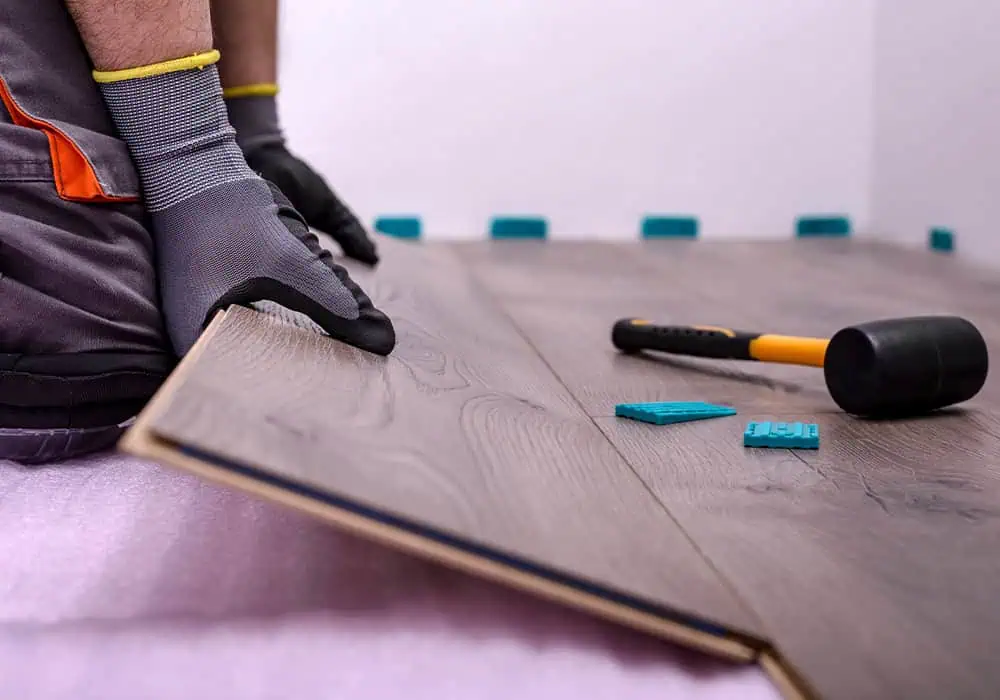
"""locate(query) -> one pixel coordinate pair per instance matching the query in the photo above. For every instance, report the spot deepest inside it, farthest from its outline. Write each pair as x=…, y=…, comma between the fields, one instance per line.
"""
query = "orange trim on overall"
x=74, y=176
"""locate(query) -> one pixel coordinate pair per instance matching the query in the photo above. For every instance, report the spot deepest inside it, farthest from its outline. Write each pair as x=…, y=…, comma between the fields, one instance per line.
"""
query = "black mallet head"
x=904, y=367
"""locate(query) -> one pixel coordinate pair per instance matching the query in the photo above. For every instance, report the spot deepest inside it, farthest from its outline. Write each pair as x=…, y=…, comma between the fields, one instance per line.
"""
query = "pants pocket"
x=47, y=88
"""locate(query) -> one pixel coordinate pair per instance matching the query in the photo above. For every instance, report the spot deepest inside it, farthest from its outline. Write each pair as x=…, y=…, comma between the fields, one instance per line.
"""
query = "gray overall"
x=82, y=345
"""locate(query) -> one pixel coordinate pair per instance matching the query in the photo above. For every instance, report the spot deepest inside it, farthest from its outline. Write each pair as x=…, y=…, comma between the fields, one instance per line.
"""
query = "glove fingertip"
x=369, y=258
x=362, y=250
x=375, y=332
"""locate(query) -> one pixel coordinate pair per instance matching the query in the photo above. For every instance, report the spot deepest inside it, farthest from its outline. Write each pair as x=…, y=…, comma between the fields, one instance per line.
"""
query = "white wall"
x=745, y=113
x=937, y=144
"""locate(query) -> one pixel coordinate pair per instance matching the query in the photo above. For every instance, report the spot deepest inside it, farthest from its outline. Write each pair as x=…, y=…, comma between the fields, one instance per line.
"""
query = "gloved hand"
x=223, y=234
x=253, y=113
x=313, y=198
x=243, y=242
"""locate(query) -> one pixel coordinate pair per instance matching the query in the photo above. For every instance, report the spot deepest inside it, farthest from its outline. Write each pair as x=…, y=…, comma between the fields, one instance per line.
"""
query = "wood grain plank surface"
x=871, y=561
x=463, y=430
x=577, y=271
x=576, y=340
x=809, y=287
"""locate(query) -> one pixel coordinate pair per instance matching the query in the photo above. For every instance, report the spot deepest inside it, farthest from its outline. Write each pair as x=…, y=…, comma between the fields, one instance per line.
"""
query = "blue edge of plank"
x=399, y=226
x=467, y=546
x=941, y=239
x=669, y=227
x=806, y=226
x=519, y=227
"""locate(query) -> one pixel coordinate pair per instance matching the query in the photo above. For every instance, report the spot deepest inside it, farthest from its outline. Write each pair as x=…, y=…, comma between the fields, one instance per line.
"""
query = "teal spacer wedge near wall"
x=807, y=226
x=669, y=227
x=399, y=226
x=518, y=227
x=941, y=240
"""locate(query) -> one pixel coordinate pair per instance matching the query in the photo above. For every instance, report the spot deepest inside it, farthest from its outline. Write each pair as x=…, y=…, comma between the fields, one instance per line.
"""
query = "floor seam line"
x=498, y=303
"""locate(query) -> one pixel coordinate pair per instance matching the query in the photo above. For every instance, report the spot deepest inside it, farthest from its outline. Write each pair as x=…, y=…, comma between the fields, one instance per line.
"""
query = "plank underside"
x=488, y=440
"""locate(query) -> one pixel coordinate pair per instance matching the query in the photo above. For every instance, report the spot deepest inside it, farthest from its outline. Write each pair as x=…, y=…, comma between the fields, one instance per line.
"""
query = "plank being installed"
x=461, y=446
x=871, y=562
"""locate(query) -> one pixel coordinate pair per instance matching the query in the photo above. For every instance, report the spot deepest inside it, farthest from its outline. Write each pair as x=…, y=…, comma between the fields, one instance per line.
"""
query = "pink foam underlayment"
x=122, y=579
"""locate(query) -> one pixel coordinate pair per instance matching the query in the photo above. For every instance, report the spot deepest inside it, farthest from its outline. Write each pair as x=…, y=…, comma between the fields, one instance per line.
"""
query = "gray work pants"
x=82, y=344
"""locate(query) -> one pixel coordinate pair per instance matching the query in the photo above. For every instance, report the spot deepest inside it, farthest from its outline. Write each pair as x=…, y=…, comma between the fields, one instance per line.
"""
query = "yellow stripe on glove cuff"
x=200, y=60
x=254, y=90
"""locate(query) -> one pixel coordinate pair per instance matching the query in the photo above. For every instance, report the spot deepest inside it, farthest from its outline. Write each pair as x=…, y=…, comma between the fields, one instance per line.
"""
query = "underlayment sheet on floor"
x=488, y=441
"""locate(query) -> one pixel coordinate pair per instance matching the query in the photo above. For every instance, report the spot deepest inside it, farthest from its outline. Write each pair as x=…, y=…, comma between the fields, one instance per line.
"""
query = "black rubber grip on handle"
x=630, y=335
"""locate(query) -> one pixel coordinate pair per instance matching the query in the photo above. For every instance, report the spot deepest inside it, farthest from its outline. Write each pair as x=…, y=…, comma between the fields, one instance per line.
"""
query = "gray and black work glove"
x=223, y=234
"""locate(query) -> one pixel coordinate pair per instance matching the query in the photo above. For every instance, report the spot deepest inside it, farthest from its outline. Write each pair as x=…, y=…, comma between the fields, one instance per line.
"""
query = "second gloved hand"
x=253, y=113
x=311, y=195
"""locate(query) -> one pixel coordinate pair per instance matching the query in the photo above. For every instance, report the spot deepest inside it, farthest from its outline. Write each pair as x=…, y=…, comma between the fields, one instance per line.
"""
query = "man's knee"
x=82, y=345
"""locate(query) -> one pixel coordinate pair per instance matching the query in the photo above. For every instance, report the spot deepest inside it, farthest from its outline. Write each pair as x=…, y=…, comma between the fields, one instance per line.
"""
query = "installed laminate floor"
x=867, y=567
x=867, y=561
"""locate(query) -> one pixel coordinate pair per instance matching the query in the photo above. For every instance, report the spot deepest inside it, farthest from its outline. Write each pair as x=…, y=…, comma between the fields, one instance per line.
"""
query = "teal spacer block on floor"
x=669, y=227
x=519, y=227
x=807, y=226
x=942, y=240
x=782, y=435
x=399, y=226
x=663, y=412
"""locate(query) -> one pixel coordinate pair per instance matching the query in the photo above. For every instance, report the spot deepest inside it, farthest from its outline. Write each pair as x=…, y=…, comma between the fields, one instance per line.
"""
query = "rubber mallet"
x=882, y=369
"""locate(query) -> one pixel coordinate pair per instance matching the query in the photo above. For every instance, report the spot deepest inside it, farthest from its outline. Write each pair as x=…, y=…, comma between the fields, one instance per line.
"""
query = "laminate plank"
x=462, y=436
x=870, y=561
x=684, y=283
x=884, y=266
x=576, y=341
x=765, y=287
x=817, y=287
x=579, y=271
x=834, y=274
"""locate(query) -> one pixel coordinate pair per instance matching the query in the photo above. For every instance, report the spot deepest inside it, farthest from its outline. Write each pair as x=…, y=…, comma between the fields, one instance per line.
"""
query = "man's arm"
x=121, y=35
x=246, y=33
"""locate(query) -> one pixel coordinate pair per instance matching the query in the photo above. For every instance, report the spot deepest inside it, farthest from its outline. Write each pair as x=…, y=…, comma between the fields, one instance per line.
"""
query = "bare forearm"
x=130, y=33
x=246, y=33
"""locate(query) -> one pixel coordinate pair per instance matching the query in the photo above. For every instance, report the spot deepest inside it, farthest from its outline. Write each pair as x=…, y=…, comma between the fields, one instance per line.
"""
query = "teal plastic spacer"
x=807, y=226
x=399, y=226
x=663, y=412
x=519, y=227
x=941, y=240
x=669, y=227
x=782, y=435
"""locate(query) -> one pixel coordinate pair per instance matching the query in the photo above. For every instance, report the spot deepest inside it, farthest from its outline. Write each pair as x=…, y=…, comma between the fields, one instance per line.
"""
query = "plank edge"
x=134, y=439
x=143, y=444
x=785, y=679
